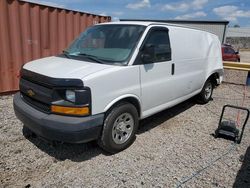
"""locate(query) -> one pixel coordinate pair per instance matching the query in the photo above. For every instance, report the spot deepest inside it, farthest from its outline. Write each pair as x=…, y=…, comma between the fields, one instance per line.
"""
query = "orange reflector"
x=70, y=110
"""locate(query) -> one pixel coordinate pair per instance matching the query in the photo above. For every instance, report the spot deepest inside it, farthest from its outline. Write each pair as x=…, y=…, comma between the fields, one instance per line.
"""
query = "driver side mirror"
x=148, y=54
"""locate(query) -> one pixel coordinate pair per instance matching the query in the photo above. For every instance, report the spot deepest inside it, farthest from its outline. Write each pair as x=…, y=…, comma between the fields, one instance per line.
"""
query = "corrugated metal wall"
x=30, y=31
x=238, y=32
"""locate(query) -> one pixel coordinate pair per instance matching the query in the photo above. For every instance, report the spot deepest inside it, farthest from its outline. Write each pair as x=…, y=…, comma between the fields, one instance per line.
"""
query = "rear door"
x=156, y=84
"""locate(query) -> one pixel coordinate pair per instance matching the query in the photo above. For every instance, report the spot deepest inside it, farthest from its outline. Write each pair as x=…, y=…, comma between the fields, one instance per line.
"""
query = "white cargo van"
x=113, y=75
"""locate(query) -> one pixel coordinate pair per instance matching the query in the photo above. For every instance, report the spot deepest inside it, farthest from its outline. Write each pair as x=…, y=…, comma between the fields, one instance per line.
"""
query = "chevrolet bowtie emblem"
x=30, y=92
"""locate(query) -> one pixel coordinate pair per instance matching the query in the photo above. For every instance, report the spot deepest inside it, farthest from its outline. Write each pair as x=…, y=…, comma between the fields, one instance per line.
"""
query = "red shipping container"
x=30, y=31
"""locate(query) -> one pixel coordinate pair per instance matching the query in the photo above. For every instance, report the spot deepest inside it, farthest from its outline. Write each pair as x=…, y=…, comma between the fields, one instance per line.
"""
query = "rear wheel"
x=120, y=126
x=206, y=93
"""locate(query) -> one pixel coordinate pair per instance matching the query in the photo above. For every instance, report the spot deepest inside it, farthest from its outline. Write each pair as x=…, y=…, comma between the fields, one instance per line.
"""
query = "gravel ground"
x=170, y=147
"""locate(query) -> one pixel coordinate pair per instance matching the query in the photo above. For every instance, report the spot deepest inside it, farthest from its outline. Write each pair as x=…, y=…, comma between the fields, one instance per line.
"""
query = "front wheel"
x=120, y=126
x=206, y=93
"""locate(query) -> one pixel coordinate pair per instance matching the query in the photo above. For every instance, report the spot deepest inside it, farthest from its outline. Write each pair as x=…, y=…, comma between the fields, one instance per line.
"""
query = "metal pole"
x=248, y=79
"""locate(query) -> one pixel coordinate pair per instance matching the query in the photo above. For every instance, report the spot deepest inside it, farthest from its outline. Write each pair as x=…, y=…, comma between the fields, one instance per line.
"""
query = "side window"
x=231, y=51
x=159, y=39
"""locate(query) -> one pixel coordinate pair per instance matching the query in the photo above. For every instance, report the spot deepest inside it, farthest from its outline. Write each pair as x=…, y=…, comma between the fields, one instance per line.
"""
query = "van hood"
x=59, y=67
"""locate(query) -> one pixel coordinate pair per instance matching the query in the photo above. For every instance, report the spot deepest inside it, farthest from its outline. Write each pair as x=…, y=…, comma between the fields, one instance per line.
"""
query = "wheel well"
x=131, y=100
x=214, y=78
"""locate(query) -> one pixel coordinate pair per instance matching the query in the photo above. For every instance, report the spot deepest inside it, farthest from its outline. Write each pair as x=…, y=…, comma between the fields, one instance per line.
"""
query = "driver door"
x=157, y=86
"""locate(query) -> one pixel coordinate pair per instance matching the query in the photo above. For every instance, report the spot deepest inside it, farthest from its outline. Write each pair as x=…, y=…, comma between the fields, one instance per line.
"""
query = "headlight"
x=73, y=102
x=70, y=95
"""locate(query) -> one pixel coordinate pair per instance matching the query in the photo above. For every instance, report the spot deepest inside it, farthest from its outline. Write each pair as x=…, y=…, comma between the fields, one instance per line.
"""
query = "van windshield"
x=111, y=44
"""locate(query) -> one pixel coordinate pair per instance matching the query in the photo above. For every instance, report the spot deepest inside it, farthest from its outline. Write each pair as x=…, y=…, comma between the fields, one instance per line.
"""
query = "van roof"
x=129, y=23
x=179, y=21
x=147, y=23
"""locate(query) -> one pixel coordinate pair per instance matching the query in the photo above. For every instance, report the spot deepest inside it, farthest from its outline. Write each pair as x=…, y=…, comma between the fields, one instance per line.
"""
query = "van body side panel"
x=110, y=84
x=157, y=85
x=189, y=52
x=167, y=105
x=196, y=55
x=215, y=57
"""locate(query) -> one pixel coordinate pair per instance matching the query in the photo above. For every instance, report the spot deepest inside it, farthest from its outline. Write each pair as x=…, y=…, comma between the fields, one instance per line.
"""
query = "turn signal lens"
x=70, y=110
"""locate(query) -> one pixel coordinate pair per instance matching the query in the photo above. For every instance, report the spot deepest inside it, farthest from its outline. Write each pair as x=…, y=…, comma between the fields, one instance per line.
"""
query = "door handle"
x=173, y=69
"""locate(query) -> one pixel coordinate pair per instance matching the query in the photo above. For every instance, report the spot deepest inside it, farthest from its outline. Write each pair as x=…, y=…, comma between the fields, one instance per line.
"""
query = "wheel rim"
x=208, y=91
x=122, y=128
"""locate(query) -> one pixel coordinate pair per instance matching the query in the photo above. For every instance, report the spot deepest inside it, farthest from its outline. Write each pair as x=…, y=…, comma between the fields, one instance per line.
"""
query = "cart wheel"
x=216, y=135
x=237, y=140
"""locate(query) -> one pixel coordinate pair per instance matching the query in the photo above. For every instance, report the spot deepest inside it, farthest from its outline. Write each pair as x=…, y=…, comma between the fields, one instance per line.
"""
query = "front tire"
x=120, y=126
x=206, y=93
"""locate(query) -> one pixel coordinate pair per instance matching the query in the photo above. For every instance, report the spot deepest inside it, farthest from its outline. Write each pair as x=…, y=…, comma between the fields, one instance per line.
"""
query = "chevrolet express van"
x=114, y=75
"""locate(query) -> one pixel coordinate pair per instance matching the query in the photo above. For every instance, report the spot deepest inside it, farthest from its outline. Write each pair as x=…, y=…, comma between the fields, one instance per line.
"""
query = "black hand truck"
x=228, y=129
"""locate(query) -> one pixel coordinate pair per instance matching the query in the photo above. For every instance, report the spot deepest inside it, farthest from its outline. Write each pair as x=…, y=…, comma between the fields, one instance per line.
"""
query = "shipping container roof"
x=55, y=5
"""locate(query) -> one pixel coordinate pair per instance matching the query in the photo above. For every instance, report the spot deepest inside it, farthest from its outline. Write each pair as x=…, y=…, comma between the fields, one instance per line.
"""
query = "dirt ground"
x=174, y=148
x=245, y=56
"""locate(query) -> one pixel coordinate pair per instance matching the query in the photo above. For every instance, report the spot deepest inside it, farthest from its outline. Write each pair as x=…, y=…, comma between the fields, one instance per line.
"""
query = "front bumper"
x=58, y=127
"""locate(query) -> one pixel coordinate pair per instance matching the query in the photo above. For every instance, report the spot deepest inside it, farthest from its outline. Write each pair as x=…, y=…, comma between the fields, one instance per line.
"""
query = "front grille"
x=40, y=91
x=36, y=104
x=40, y=97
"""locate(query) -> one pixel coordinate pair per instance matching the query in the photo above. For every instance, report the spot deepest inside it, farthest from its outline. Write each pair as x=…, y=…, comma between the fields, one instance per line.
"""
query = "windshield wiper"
x=91, y=57
x=66, y=53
